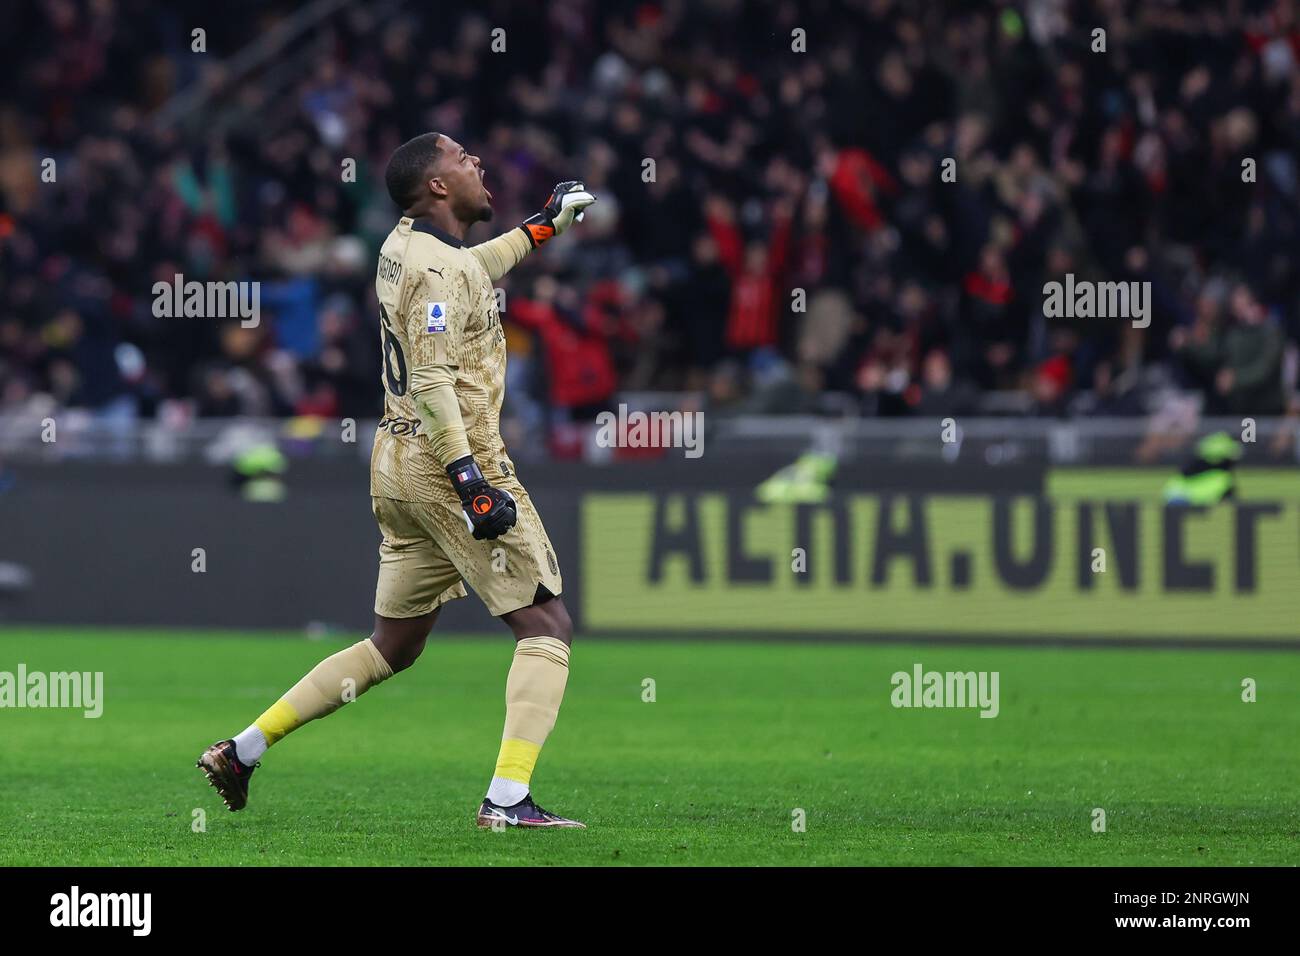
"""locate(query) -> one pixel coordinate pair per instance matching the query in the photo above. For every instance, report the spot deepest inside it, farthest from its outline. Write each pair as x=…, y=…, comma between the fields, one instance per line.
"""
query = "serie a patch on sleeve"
x=437, y=317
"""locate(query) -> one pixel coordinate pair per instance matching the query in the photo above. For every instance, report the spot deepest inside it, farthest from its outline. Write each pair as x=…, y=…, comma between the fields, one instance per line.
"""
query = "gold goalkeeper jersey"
x=437, y=307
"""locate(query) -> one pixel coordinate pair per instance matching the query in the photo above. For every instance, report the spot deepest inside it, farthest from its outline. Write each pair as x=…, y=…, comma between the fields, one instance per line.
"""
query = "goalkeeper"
x=443, y=487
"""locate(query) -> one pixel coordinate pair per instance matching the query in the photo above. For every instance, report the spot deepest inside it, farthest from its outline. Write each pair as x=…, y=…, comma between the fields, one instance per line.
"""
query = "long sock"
x=534, y=690
x=340, y=678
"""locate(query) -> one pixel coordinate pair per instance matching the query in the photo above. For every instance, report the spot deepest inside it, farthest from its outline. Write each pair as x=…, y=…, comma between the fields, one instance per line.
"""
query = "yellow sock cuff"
x=331, y=683
x=279, y=719
x=516, y=760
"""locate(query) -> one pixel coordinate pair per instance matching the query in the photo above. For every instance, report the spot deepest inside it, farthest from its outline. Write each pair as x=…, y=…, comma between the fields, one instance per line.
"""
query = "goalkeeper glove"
x=489, y=512
x=566, y=203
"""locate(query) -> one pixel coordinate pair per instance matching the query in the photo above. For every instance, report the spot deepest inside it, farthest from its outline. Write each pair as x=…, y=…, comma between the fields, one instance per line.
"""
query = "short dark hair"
x=405, y=175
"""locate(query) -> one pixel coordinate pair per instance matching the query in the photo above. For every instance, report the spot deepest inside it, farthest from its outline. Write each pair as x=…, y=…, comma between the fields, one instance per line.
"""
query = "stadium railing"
x=82, y=435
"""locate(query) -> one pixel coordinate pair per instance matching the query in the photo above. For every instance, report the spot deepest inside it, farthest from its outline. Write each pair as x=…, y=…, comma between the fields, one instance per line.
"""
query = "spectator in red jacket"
x=756, y=272
x=856, y=181
x=579, y=368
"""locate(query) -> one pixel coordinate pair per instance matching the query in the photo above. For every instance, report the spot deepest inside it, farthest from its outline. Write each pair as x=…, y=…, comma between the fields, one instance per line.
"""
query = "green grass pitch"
x=710, y=773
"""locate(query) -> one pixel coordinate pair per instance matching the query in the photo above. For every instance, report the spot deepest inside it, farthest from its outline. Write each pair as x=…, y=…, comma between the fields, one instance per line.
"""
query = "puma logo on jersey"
x=437, y=272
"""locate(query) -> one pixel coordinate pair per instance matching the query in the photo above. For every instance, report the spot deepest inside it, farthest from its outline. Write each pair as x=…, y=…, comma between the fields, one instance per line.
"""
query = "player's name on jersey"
x=389, y=269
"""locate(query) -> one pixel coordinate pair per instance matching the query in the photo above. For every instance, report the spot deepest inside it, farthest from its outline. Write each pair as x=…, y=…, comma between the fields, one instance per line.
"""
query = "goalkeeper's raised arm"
x=565, y=205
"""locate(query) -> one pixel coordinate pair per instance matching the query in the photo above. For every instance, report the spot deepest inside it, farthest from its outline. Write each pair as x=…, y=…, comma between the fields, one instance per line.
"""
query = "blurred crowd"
x=775, y=231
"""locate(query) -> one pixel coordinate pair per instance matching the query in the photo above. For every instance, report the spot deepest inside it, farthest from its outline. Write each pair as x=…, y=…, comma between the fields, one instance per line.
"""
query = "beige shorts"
x=427, y=550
